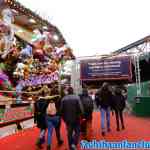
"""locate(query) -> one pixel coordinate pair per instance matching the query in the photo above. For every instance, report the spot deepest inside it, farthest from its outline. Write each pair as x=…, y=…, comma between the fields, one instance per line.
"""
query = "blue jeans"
x=52, y=122
x=105, y=116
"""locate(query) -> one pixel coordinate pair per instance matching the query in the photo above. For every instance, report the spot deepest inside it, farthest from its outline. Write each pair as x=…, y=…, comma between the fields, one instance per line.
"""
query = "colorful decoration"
x=32, y=66
x=26, y=52
x=38, y=80
x=5, y=84
x=19, y=73
x=8, y=17
x=7, y=32
x=39, y=54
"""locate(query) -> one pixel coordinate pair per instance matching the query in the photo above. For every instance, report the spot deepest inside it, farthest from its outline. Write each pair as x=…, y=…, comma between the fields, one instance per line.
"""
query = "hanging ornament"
x=26, y=72
x=8, y=35
x=39, y=54
x=8, y=17
x=26, y=52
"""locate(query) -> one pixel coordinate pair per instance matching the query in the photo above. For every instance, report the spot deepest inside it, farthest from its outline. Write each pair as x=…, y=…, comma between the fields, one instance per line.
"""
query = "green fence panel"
x=142, y=107
x=145, y=91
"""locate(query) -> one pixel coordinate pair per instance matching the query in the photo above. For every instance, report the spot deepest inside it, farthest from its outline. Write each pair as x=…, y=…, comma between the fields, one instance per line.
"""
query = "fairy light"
x=55, y=37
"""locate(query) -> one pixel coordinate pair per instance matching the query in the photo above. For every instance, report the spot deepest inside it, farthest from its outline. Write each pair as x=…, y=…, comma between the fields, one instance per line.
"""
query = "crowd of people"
x=76, y=112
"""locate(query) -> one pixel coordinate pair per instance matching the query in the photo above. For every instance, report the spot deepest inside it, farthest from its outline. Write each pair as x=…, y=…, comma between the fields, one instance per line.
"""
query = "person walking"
x=118, y=106
x=86, y=119
x=103, y=99
x=71, y=110
x=47, y=116
x=40, y=118
x=53, y=121
x=57, y=101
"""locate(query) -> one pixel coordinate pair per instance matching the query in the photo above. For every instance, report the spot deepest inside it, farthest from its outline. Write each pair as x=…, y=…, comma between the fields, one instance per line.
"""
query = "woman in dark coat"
x=40, y=118
x=118, y=105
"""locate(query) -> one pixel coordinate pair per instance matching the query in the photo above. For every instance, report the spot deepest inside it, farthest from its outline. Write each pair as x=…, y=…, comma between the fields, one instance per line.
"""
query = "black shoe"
x=38, y=144
x=48, y=147
x=60, y=142
x=123, y=127
x=103, y=133
x=42, y=140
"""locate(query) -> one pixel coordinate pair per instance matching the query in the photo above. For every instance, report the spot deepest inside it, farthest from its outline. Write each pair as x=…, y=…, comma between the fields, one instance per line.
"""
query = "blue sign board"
x=118, y=68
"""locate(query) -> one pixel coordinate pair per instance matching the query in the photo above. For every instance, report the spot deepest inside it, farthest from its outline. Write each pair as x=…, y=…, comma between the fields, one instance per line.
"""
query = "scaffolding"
x=75, y=77
x=137, y=49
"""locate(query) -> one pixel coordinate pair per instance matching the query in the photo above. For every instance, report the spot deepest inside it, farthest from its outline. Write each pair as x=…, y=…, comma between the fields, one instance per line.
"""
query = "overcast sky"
x=96, y=26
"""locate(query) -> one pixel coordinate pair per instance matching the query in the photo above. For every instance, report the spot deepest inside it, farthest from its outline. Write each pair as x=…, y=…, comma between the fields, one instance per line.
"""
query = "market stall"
x=30, y=59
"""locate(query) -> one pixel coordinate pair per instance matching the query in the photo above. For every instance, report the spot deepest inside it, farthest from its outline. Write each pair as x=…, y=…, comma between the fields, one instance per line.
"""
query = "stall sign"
x=118, y=68
x=41, y=79
x=15, y=114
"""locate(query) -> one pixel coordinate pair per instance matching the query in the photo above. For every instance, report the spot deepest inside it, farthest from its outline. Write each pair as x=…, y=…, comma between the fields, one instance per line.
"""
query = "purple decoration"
x=3, y=76
x=38, y=80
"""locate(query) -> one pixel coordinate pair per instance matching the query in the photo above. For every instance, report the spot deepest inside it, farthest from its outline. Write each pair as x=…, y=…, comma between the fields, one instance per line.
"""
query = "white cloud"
x=96, y=26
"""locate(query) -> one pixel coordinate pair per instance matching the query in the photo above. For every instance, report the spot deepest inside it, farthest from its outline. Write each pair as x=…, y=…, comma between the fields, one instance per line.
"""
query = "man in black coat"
x=71, y=111
x=87, y=103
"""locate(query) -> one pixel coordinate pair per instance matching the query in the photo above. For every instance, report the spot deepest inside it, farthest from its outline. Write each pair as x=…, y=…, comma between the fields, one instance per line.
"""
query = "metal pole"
x=137, y=74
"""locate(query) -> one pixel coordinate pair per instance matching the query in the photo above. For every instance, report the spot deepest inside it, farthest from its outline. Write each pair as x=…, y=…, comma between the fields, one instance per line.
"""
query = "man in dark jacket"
x=40, y=119
x=87, y=103
x=103, y=100
x=71, y=111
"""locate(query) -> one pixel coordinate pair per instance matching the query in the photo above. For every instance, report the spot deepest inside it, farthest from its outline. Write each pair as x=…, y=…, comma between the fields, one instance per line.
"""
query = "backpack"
x=51, y=109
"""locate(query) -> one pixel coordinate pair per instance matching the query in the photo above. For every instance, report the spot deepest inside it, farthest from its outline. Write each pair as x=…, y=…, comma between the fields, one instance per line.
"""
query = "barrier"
x=15, y=113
